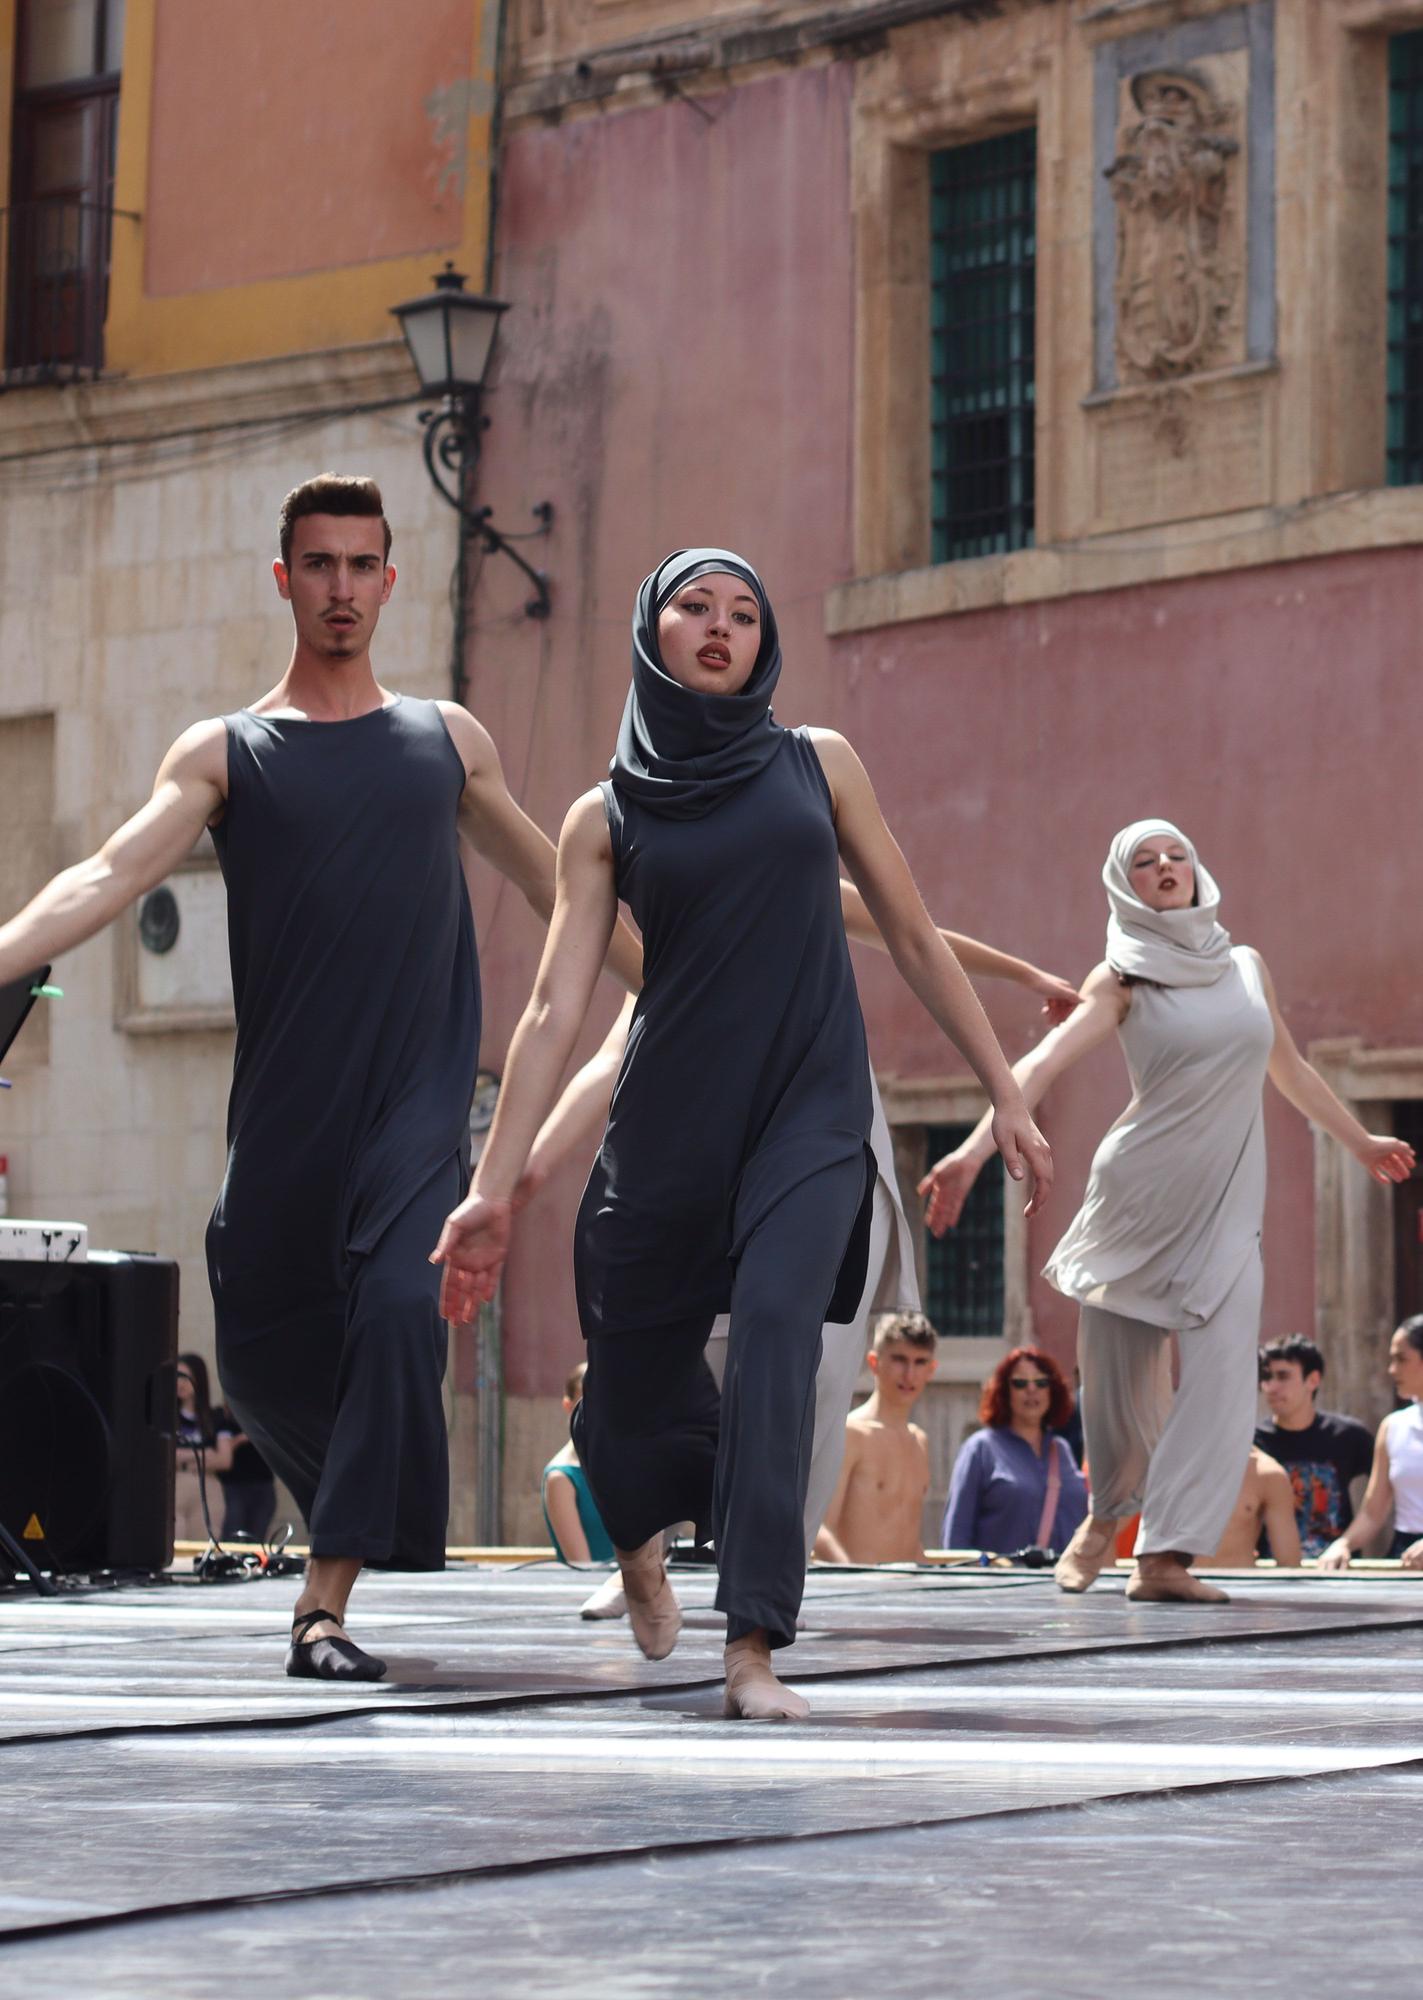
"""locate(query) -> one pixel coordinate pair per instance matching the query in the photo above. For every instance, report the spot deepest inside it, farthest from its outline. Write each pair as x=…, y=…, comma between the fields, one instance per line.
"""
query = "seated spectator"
x=1016, y=1485
x=204, y=1448
x=1396, y=1481
x=571, y=1515
x=1322, y=1453
x=1266, y=1507
x=876, y=1511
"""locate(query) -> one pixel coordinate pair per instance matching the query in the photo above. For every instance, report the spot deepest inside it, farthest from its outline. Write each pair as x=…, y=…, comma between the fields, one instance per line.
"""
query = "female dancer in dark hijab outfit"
x=735, y=1171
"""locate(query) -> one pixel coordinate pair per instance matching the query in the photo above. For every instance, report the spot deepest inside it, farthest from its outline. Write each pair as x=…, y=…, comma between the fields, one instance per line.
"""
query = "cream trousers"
x=1178, y=1459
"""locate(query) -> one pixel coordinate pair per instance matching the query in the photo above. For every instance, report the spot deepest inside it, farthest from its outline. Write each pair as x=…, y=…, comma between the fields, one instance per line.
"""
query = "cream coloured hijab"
x=1168, y=947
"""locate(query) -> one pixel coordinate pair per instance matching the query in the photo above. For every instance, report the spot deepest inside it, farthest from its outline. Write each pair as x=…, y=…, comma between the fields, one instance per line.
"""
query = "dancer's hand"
x=1388, y=1160
x=1412, y=1557
x=1059, y=997
x=1025, y=1151
x=472, y=1247
x=946, y=1187
x=1336, y=1556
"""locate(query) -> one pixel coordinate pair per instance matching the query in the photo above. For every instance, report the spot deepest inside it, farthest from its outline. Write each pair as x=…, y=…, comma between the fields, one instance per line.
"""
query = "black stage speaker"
x=88, y=1355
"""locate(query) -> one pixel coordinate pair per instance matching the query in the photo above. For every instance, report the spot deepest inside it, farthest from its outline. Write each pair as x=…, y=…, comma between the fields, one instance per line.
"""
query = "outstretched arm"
x=1372, y=1517
x=475, y=1239
x=1058, y=997
x=924, y=961
x=187, y=793
x=1300, y=1084
x=1104, y=1003
x=499, y=829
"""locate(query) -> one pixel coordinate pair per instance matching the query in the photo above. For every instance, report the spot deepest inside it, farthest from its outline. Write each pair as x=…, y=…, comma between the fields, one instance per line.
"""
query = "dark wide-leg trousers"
x=344, y=1401
x=659, y=1445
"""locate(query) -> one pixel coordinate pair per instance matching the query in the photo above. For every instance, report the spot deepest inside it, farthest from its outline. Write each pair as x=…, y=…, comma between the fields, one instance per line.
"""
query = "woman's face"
x=1161, y=873
x=709, y=633
x=187, y=1394
x=1029, y=1394
x=1405, y=1366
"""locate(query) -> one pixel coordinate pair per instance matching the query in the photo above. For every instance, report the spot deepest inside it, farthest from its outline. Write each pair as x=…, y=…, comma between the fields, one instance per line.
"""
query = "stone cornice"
x=661, y=62
x=36, y=422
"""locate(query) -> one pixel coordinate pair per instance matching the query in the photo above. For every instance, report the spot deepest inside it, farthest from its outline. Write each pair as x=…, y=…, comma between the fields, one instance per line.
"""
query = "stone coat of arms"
x=1171, y=183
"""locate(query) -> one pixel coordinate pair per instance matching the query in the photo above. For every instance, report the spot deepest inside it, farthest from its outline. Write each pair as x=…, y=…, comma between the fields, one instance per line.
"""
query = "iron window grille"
x=964, y=1292
x=1405, y=260
x=983, y=259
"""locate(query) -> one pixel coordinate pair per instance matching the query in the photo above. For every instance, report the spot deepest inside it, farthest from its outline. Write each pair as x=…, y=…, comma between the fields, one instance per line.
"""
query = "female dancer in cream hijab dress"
x=1168, y=1236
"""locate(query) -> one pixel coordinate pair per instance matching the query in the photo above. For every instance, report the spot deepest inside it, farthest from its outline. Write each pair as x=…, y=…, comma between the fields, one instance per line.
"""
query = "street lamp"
x=450, y=334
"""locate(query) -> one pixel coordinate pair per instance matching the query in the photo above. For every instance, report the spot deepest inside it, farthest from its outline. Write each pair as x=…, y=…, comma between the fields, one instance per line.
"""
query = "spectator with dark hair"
x=204, y=1447
x=1016, y=1485
x=1396, y=1482
x=1323, y=1453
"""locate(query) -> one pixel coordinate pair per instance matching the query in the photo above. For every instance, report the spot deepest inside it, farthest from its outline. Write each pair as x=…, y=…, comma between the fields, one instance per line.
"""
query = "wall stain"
x=449, y=111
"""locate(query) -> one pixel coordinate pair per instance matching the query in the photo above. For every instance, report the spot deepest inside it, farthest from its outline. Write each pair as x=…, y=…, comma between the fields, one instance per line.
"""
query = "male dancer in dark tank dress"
x=337, y=810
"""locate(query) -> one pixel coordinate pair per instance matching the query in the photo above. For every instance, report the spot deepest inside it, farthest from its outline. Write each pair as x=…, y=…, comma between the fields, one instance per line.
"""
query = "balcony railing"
x=56, y=263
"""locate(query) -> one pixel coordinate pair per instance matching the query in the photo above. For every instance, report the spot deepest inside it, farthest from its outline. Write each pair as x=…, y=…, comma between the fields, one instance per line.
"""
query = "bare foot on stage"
x=1165, y=1579
x=753, y=1694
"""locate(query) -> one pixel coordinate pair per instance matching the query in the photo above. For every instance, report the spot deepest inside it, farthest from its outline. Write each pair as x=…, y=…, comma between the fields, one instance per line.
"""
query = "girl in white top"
x=1168, y=1236
x=1396, y=1481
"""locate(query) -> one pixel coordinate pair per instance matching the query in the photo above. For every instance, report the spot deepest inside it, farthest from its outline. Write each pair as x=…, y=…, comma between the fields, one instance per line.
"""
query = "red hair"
x=996, y=1409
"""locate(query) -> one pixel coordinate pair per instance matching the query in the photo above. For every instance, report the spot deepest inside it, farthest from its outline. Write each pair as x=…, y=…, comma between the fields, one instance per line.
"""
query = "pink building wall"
x=678, y=368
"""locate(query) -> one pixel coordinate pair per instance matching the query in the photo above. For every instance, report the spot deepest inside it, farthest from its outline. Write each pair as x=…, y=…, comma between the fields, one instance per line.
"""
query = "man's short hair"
x=573, y=1387
x=912, y=1328
x=1294, y=1347
x=331, y=493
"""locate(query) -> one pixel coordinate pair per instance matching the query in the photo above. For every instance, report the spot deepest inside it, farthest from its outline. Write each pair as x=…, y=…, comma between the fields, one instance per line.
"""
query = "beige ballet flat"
x=1089, y=1552
x=1164, y=1580
x=609, y=1600
x=653, y=1610
x=753, y=1694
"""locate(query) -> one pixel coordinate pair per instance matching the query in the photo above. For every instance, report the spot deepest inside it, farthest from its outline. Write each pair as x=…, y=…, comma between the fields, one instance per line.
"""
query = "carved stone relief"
x=1177, y=182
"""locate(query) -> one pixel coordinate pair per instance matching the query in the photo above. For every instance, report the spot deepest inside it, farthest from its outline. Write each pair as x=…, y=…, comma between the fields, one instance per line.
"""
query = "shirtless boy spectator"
x=1266, y=1505
x=1324, y=1455
x=875, y=1514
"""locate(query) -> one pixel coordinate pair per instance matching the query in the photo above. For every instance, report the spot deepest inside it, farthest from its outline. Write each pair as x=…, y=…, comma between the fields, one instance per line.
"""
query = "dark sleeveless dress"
x=358, y=1014
x=746, y=1071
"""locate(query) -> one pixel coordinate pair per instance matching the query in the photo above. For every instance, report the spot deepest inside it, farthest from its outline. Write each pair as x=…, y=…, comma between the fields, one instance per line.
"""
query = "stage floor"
x=1001, y=1790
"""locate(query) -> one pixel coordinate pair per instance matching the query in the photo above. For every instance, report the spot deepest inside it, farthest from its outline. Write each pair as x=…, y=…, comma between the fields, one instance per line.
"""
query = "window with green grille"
x=964, y=1294
x=983, y=249
x=1405, y=260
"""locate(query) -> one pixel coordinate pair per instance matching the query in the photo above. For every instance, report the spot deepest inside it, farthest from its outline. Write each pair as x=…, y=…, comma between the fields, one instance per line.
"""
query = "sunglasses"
x=1029, y=1382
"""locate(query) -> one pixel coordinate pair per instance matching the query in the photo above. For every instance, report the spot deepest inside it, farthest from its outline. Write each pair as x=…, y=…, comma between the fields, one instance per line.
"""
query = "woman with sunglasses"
x=1016, y=1485
x=1167, y=1240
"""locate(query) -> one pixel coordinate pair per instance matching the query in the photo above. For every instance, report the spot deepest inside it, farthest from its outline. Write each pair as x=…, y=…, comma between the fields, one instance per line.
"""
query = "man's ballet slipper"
x=753, y=1694
x=1088, y=1553
x=1163, y=1580
x=609, y=1600
x=653, y=1610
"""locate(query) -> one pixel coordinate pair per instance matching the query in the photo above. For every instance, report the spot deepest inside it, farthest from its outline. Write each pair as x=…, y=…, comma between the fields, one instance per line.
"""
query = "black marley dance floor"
x=1001, y=1790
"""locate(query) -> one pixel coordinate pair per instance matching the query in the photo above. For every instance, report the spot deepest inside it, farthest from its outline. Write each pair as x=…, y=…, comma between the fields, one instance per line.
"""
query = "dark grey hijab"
x=681, y=753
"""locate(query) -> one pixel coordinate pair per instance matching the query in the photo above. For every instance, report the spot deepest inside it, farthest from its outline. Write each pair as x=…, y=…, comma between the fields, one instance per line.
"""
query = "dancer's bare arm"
x=1300, y=1084
x=188, y=793
x=581, y=1111
x=1104, y=1004
x=1058, y=996
x=499, y=830
x=1372, y=1517
x=475, y=1239
x=924, y=961
x=1278, y=1511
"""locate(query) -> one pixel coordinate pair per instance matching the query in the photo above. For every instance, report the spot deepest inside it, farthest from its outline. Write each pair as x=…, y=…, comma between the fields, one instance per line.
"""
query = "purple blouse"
x=998, y=1491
